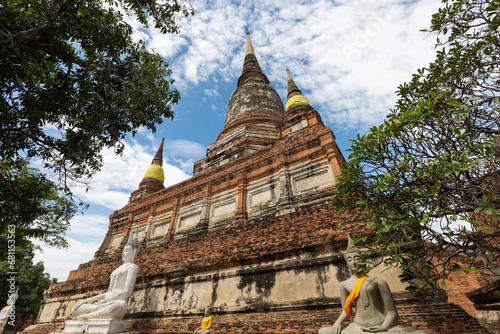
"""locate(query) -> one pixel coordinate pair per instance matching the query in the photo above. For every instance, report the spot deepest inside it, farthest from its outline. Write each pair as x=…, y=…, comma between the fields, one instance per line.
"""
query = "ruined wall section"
x=311, y=230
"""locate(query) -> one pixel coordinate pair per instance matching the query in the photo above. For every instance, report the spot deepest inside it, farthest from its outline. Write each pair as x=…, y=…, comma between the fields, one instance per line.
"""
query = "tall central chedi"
x=252, y=235
x=254, y=114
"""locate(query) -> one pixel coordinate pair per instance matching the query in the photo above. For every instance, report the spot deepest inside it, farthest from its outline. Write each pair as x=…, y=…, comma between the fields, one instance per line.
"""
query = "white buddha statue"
x=113, y=303
x=375, y=309
x=5, y=312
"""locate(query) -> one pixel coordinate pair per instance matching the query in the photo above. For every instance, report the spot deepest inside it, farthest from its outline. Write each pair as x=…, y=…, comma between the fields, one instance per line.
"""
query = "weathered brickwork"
x=459, y=283
x=44, y=328
x=429, y=317
x=310, y=230
x=487, y=306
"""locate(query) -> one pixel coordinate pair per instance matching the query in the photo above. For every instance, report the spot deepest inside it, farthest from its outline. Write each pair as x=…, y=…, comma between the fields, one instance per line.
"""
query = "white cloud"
x=186, y=165
x=121, y=175
x=59, y=262
x=174, y=175
x=148, y=135
x=347, y=56
x=185, y=149
x=86, y=235
x=91, y=227
x=212, y=92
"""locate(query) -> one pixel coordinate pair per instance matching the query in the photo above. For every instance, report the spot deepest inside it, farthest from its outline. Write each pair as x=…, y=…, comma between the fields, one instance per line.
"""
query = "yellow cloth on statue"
x=207, y=322
x=354, y=295
x=5, y=307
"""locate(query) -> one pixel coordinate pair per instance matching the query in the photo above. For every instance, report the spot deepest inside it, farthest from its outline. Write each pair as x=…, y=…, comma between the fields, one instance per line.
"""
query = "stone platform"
x=94, y=326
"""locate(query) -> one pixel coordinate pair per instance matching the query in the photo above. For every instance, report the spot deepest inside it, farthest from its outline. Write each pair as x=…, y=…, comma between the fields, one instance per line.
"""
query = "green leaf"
x=463, y=157
x=454, y=102
x=485, y=229
x=485, y=200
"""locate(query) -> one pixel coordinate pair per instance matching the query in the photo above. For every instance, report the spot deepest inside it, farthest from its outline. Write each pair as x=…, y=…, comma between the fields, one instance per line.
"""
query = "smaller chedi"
x=375, y=309
x=103, y=313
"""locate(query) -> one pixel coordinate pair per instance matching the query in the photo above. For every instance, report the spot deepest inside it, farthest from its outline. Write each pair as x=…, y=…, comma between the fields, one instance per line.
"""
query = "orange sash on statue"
x=207, y=322
x=354, y=295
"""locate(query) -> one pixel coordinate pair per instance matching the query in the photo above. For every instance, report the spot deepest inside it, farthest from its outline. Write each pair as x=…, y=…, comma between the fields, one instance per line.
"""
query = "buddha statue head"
x=131, y=248
x=352, y=256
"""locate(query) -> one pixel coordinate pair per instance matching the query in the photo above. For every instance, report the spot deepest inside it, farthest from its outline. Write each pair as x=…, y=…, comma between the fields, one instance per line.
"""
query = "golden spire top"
x=294, y=95
x=155, y=170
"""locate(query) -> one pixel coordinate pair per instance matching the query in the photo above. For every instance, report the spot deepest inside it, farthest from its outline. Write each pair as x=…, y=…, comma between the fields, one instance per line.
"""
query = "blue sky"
x=347, y=57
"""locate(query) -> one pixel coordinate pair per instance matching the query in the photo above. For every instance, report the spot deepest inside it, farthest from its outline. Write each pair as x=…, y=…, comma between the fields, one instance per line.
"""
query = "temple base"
x=94, y=326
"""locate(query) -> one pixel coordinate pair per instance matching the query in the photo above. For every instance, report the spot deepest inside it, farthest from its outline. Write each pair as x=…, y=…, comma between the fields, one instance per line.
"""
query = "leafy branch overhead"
x=425, y=184
x=73, y=81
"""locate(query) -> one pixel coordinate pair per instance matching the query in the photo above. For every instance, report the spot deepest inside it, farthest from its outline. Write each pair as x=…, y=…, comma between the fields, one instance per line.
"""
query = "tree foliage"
x=31, y=280
x=434, y=163
x=32, y=203
x=73, y=82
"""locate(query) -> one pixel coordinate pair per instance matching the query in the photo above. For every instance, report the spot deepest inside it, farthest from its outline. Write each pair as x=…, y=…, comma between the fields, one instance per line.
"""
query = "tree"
x=73, y=82
x=31, y=280
x=31, y=203
x=434, y=163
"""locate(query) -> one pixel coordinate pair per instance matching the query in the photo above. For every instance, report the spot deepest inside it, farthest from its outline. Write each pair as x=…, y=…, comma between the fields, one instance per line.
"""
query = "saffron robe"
x=354, y=295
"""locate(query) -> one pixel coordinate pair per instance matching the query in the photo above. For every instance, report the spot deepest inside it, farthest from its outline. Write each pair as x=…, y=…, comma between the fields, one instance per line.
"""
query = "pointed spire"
x=155, y=170
x=292, y=87
x=251, y=67
x=249, y=49
x=158, y=159
x=294, y=95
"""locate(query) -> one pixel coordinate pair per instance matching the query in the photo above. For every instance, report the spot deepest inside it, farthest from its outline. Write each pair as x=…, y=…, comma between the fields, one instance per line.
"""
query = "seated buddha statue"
x=375, y=309
x=113, y=303
x=206, y=323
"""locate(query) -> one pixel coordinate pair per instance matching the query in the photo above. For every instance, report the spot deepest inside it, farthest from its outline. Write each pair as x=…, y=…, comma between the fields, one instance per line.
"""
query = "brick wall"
x=310, y=230
x=459, y=283
x=430, y=317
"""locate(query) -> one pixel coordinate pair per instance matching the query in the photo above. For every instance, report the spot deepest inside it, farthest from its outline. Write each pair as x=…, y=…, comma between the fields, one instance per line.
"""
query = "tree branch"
x=21, y=39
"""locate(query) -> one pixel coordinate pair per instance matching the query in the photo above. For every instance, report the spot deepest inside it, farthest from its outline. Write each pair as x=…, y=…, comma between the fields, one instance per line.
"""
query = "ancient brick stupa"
x=252, y=235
